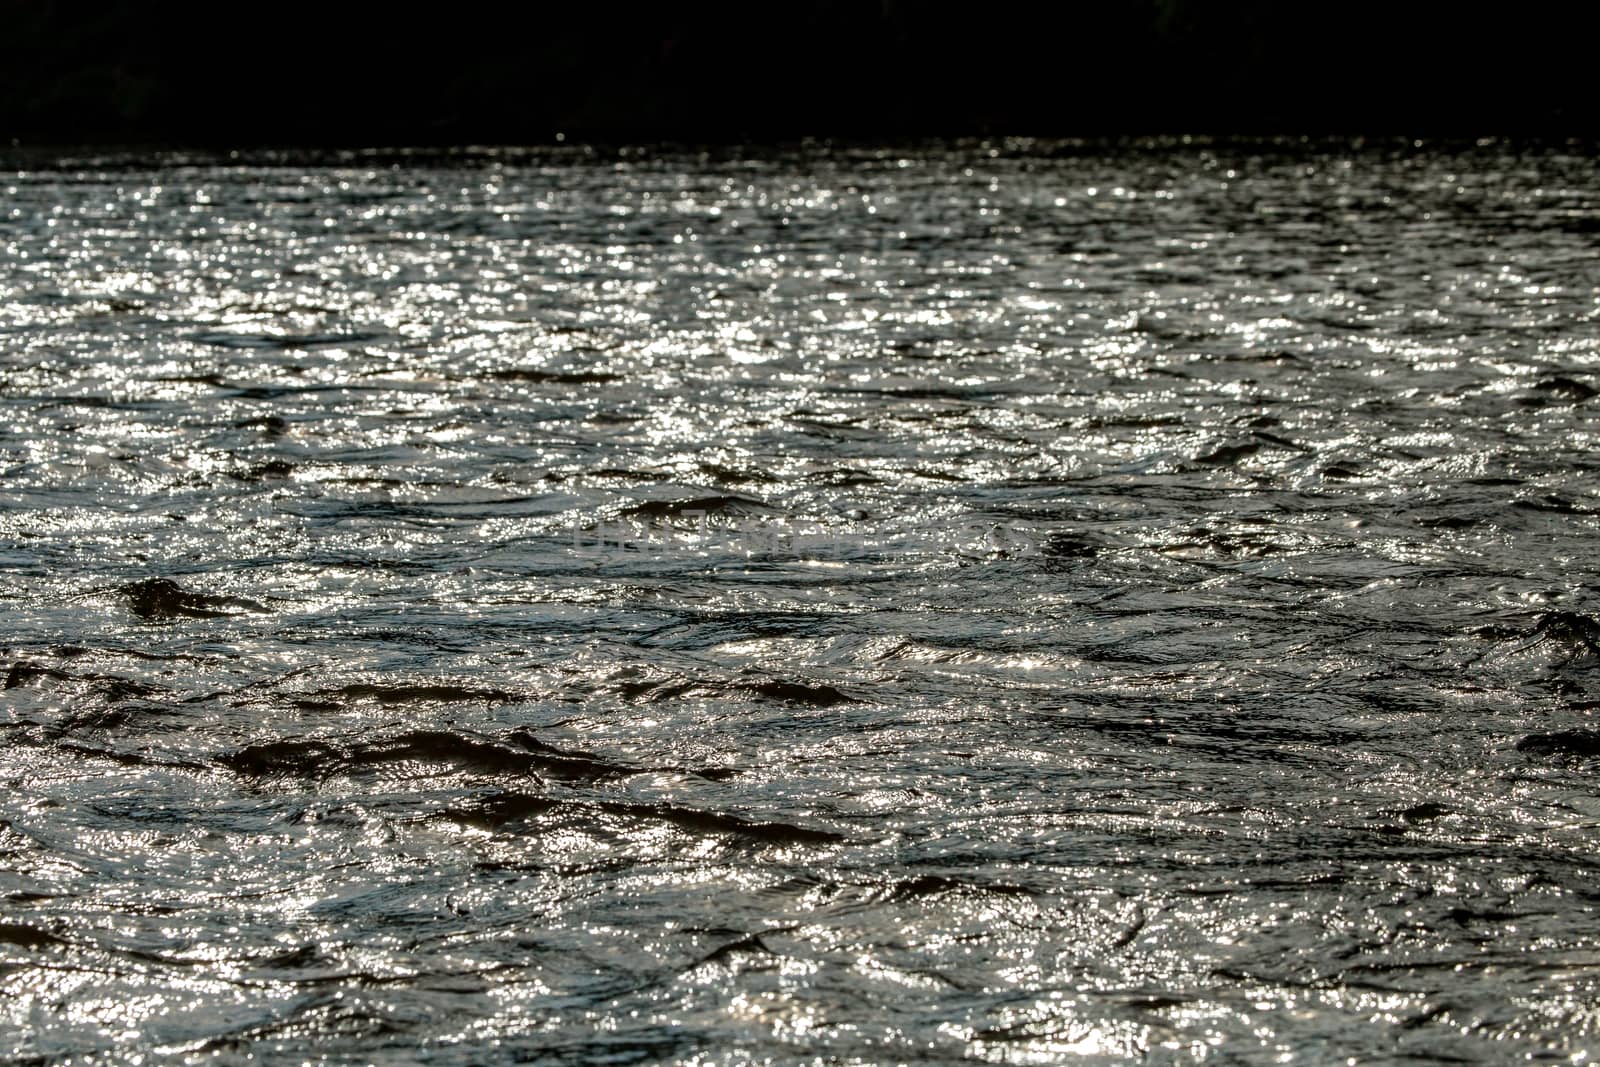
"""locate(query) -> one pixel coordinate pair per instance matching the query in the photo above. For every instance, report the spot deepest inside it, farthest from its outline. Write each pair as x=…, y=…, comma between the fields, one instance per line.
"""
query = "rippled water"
x=968, y=603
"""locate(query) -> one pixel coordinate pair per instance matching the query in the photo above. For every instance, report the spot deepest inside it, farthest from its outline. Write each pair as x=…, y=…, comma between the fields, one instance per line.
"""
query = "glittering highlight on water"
x=1008, y=603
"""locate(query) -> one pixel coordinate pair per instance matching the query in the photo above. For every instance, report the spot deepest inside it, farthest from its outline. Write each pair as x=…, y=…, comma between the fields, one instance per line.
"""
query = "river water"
x=1010, y=603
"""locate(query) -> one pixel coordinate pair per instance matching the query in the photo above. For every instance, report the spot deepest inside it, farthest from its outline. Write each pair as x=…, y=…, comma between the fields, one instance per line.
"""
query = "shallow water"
x=1015, y=604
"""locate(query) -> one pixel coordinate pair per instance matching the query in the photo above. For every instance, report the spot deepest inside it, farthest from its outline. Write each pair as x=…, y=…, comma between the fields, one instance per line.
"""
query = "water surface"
x=982, y=603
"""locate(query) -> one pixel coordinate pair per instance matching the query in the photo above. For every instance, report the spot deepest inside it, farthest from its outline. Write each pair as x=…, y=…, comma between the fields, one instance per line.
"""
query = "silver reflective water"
x=1201, y=665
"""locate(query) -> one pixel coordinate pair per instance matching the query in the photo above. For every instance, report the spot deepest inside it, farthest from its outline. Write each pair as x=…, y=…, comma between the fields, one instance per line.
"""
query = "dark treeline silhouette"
x=303, y=73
